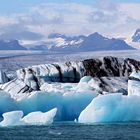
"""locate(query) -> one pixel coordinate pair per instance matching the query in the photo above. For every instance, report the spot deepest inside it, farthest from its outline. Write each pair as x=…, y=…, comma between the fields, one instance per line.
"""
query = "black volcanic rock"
x=10, y=45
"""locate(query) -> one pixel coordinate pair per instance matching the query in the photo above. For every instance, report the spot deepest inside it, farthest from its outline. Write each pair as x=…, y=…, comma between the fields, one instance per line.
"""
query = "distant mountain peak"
x=96, y=35
x=136, y=36
x=56, y=35
x=61, y=42
x=10, y=45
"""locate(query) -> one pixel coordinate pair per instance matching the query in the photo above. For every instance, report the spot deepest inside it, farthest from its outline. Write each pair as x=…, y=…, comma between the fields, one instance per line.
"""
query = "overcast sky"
x=35, y=19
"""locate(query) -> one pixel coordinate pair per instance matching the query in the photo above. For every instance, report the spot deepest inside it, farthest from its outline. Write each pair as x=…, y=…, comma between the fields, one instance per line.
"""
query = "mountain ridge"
x=59, y=42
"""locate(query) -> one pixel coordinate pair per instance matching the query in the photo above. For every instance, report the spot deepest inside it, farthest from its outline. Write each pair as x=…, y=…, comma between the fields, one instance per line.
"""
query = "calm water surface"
x=72, y=131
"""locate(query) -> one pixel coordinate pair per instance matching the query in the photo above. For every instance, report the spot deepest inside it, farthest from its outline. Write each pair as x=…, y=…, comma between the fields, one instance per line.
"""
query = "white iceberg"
x=40, y=118
x=14, y=118
x=111, y=108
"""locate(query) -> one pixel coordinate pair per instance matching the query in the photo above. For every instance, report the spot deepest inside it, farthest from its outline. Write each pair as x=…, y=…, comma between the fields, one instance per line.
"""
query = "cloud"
x=72, y=18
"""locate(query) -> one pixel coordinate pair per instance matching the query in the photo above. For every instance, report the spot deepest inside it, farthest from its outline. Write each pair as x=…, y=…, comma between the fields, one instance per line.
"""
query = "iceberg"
x=111, y=108
x=40, y=118
x=74, y=101
x=14, y=118
x=69, y=103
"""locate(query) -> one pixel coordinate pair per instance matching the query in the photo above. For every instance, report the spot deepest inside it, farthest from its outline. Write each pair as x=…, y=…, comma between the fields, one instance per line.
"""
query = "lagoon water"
x=73, y=131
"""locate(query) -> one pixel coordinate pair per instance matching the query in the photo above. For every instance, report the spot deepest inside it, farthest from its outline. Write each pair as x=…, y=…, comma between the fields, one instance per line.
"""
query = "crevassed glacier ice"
x=134, y=84
x=111, y=108
x=14, y=118
x=3, y=77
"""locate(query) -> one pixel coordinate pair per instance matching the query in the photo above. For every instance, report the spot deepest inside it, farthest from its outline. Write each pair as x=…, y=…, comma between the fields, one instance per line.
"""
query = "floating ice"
x=6, y=103
x=39, y=118
x=71, y=99
x=69, y=103
x=111, y=108
x=14, y=118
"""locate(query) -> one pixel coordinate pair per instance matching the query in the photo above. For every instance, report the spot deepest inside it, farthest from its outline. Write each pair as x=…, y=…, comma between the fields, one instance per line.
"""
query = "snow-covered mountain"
x=97, y=42
x=11, y=45
x=93, y=42
x=136, y=36
x=134, y=40
x=62, y=43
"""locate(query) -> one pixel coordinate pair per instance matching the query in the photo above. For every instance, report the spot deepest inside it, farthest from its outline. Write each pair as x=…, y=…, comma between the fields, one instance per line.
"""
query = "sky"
x=35, y=19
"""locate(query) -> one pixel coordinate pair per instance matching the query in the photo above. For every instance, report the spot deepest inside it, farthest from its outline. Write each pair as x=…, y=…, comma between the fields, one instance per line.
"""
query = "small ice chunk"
x=12, y=118
x=39, y=118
